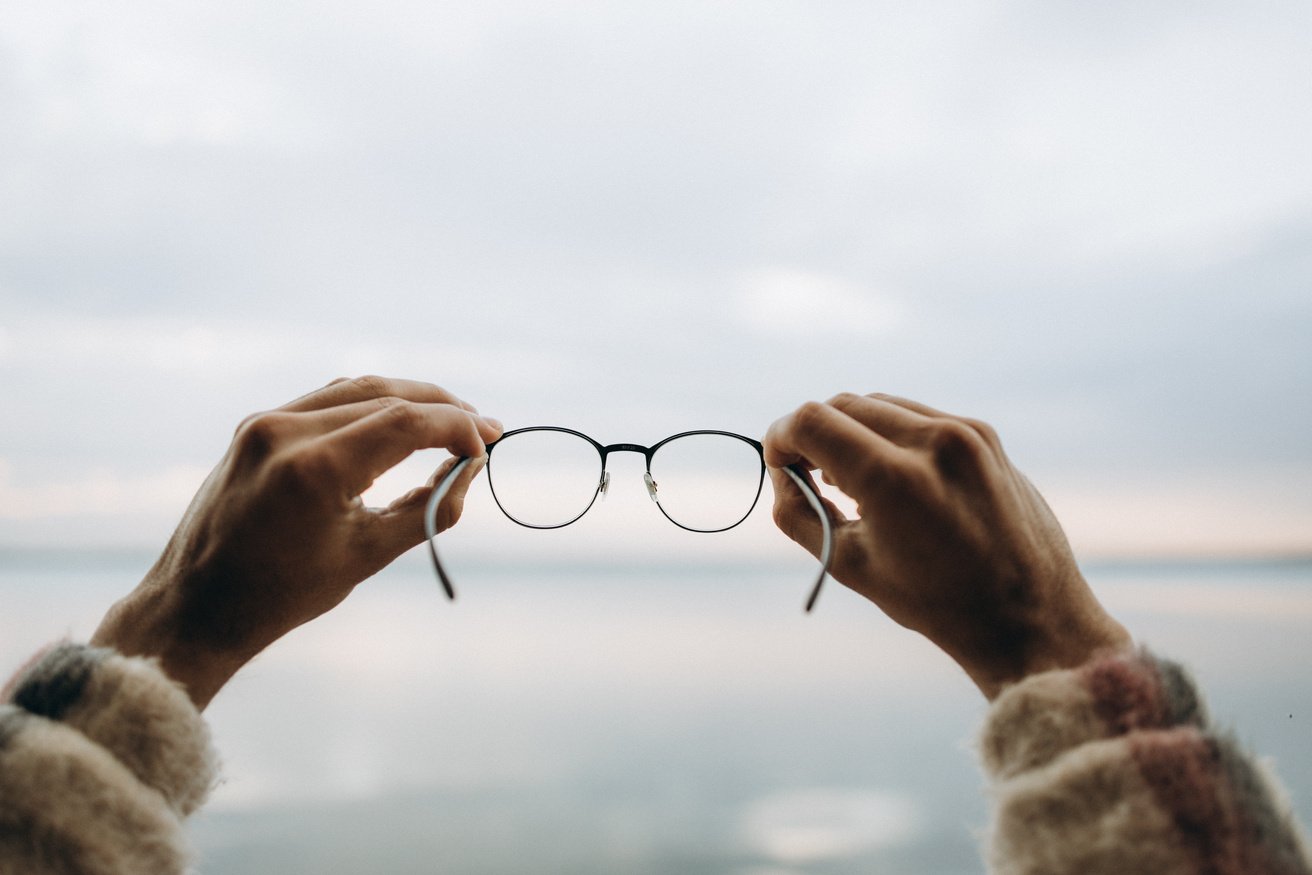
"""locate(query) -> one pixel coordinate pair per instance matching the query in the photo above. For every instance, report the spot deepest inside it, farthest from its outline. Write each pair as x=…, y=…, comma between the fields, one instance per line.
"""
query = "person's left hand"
x=278, y=535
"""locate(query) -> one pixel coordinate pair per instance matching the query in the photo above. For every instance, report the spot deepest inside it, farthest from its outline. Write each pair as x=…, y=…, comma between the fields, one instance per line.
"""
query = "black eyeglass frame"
x=795, y=473
x=603, y=480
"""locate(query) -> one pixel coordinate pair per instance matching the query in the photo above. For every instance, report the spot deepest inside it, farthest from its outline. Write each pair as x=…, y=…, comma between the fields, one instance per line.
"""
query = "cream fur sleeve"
x=101, y=759
x=1115, y=768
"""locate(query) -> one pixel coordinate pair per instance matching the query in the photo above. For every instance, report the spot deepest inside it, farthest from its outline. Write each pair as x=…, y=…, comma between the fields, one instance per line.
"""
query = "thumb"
x=400, y=525
x=795, y=516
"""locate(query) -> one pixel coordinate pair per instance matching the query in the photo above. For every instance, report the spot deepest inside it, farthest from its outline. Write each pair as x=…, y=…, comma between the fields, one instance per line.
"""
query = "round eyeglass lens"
x=544, y=478
x=707, y=482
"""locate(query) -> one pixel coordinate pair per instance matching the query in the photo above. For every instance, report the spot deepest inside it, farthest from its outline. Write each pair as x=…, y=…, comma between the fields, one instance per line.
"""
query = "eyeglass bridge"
x=626, y=448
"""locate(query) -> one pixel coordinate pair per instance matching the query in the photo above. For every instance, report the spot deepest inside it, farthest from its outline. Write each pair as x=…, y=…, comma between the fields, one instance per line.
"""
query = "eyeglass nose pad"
x=605, y=483
x=651, y=487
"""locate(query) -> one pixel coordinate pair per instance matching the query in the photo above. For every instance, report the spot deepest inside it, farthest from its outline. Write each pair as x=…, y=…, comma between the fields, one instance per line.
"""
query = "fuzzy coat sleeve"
x=101, y=758
x=1115, y=768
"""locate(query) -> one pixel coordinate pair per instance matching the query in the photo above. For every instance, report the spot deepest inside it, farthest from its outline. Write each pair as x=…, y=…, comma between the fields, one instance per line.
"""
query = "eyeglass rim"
x=601, y=474
x=648, y=453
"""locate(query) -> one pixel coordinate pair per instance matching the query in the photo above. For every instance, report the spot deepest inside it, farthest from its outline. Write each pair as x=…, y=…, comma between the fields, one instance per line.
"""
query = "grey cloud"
x=1092, y=222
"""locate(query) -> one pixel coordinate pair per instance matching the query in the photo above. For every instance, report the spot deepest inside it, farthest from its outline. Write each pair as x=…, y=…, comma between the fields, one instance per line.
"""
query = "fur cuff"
x=1033, y=722
x=127, y=706
x=67, y=807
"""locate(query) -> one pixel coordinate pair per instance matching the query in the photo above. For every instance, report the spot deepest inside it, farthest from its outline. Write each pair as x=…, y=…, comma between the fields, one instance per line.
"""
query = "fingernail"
x=492, y=423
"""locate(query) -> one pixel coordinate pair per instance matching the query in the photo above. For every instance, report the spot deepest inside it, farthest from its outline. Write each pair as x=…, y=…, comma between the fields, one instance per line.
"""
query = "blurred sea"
x=675, y=718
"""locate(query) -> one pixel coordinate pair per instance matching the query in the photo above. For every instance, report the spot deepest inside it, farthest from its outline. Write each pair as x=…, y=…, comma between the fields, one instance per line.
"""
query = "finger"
x=319, y=422
x=400, y=525
x=794, y=515
x=983, y=429
x=349, y=391
x=852, y=456
x=899, y=424
x=913, y=406
x=354, y=456
x=798, y=520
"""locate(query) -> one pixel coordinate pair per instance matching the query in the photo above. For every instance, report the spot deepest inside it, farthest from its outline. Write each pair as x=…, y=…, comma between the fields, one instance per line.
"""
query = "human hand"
x=950, y=539
x=278, y=535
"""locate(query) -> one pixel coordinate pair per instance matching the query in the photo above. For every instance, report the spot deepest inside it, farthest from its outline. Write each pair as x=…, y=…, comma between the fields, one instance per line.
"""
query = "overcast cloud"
x=1090, y=224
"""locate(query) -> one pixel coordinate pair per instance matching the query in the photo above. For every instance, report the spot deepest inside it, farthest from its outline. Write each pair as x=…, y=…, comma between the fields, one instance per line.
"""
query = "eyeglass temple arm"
x=827, y=547
x=430, y=519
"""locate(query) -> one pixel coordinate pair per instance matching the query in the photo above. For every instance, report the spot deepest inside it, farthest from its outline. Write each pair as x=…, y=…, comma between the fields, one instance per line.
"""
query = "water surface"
x=645, y=718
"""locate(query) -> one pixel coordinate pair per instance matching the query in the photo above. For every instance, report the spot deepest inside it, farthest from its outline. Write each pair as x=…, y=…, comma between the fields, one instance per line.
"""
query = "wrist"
x=146, y=623
x=1050, y=647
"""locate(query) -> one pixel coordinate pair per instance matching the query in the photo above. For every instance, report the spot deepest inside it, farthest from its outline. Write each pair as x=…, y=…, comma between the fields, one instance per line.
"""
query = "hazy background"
x=1090, y=224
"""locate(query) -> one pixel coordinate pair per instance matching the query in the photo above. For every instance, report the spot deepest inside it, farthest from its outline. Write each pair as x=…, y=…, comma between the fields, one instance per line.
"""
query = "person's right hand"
x=278, y=535
x=951, y=540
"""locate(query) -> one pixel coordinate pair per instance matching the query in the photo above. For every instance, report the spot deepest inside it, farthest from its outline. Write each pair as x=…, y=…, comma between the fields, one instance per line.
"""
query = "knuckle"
x=985, y=431
x=471, y=439
x=259, y=434
x=402, y=414
x=811, y=416
x=373, y=385
x=951, y=435
x=844, y=400
x=954, y=443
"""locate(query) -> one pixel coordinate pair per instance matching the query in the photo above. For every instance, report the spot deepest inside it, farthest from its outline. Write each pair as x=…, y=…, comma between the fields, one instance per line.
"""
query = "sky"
x=1088, y=224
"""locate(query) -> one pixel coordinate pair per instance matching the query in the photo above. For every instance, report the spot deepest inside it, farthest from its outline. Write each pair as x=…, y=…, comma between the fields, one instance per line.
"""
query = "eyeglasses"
x=544, y=477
